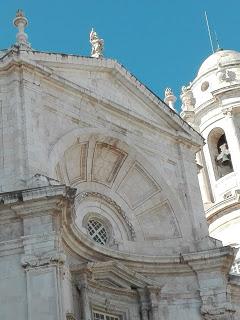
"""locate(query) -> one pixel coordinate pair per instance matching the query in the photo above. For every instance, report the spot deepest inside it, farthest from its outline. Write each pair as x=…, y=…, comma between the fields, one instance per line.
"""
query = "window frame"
x=100, y=233
x=105, y=315
x=101, y=219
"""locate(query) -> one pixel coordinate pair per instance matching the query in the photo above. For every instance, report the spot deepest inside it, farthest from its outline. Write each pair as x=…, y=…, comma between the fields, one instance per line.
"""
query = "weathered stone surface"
x=129, y=160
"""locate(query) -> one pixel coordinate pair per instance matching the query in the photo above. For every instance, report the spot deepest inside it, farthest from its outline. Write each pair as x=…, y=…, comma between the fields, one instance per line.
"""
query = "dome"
x=224, y=57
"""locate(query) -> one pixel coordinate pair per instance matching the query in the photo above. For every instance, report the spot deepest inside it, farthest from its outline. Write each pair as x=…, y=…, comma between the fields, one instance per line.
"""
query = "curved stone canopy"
x=221, y=57
x=118, y=186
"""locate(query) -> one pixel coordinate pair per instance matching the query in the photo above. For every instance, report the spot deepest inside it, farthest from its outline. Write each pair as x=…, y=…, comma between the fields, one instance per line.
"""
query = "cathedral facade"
x=101, y=214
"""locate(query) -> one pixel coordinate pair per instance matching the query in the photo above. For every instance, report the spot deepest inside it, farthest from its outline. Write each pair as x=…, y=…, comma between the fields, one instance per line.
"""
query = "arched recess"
x=124, y=185
x=220, y=155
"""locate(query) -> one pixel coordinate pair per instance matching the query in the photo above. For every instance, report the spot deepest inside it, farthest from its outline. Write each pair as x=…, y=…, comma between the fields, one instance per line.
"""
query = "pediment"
x=109, y=81
x=115, y=275
x=108, y=86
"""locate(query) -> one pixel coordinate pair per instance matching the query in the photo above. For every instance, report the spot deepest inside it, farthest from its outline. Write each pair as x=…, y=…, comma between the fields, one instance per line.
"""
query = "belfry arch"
x=220, y=155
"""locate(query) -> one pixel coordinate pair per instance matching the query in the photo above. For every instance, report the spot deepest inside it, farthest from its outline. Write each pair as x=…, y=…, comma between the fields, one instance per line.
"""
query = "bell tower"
x=211, y=104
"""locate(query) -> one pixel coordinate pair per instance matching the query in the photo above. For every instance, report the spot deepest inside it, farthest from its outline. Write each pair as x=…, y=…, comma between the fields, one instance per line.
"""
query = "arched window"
x=220, y=155
x=97, y=231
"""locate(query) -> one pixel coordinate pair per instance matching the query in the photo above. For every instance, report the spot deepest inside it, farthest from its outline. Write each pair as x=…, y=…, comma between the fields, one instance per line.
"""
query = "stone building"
x=101, y=215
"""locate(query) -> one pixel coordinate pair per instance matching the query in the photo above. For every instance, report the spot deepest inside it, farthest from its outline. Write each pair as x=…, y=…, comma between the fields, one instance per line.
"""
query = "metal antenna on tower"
x=217, y=42
x=209, y=32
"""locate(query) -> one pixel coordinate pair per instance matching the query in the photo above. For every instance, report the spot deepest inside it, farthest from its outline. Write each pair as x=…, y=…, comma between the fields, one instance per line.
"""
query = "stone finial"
x=170, y=98
x=188, y=100
x=97, y=44
x=21, y=22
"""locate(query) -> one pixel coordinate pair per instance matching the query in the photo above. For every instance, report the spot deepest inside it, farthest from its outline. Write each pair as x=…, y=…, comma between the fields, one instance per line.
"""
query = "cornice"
x=84, y=247
x=226, y=89
x=31, y=201
x=113, y=277
x=216, y=262
x=223, y=207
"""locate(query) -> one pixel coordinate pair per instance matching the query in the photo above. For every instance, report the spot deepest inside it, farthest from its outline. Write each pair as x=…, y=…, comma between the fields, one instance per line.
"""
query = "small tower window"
x=223, y=159
x=220, y=154
x=97, y=231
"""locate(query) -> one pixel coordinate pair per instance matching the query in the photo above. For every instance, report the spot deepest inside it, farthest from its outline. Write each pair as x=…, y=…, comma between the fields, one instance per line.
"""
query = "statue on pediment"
x=97, y=44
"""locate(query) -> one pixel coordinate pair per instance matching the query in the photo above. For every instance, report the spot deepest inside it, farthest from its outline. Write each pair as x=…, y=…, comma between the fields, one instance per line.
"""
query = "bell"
x=225, y=159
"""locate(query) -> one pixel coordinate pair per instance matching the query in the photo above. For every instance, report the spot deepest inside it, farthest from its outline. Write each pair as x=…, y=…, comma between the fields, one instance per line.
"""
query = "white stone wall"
x=90, y=124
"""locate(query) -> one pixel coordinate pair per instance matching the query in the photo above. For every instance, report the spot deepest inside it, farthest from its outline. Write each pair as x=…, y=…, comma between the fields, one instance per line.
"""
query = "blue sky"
x=162, y=42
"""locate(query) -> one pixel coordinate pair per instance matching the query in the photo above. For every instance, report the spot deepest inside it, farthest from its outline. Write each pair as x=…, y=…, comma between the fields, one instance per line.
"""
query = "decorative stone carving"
x=149, y=299
x=21, y=23
x=225, y=74
x=204, y=86
x=213, y=308
x=97, y=45
x=40, y=180
x=107, y=199
x=168, y=92
x=144, y=305
x=153, y=293
x=228, y=111
x=221, y=313
x=32, y=261
x=188, y=100
x=170, y=98
x=70, y=316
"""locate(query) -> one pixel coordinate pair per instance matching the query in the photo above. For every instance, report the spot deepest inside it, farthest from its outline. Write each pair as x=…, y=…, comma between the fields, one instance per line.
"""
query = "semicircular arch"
x=115, y=167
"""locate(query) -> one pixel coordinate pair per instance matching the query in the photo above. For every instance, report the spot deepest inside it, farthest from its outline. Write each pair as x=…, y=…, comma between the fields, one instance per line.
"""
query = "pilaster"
x=149, y=300
x=153, y=293
x=233, y=138
x=43, y=260
x=213, y=286
x=192, y=194
x=82, y=284
x=144, y=305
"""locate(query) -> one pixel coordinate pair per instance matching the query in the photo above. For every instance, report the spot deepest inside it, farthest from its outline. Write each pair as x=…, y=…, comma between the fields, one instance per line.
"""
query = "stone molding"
x=225, y=206
x=220, y=313
x=20, y=196
x=32, y=261
x=188, y=99
x=111, y=202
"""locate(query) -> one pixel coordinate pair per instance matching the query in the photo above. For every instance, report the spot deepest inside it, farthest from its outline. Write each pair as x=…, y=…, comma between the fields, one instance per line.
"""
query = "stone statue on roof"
x=97, y=44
